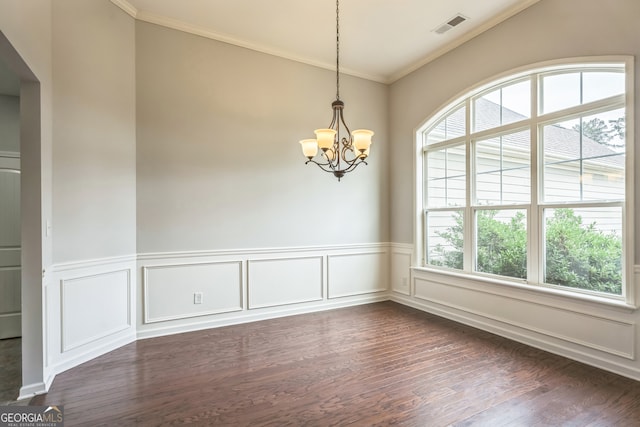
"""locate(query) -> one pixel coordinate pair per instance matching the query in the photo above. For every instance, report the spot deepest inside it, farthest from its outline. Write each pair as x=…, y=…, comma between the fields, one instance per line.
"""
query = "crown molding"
x=127, y=7
x=175, y=24
x=178, y=25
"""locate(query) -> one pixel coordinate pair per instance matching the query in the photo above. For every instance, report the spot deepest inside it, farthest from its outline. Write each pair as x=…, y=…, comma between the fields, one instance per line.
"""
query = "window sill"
x=532, y=289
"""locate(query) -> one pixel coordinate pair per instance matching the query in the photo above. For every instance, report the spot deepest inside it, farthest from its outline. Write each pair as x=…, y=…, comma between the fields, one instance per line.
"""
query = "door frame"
x=34, y=160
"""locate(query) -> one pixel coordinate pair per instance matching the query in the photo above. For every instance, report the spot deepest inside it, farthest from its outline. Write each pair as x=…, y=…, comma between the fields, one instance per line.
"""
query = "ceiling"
x=380, y=40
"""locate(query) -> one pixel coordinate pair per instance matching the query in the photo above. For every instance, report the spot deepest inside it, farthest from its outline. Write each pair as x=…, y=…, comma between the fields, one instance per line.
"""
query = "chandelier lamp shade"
x=336, y=149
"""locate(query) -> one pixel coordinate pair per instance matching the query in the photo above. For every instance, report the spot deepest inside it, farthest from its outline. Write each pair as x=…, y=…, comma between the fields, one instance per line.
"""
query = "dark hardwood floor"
x=10, y=369
x=373, y=365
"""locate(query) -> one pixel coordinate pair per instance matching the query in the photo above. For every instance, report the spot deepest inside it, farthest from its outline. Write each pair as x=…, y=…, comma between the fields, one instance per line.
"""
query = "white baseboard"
x=255, y=317
x=511, y=332
x=31, y=390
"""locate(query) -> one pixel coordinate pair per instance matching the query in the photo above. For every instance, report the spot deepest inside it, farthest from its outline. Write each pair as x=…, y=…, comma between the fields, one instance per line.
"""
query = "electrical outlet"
x=197, y=298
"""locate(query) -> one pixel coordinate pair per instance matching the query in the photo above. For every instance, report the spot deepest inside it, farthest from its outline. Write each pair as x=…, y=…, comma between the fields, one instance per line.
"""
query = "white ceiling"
x=381, y=40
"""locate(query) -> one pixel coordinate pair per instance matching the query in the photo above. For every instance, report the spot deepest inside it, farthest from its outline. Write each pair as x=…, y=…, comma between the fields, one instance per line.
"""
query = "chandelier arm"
x=353, y=166
x=354, y=161
x=334, y=118
x=321, y=165
x=345, y=126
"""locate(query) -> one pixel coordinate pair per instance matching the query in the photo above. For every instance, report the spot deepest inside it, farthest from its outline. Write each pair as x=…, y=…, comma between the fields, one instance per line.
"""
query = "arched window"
x=528, y=179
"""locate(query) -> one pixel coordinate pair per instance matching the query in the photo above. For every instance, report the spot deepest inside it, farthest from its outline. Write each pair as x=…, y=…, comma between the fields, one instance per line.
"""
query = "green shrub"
x=577, y=255
x=581, y=256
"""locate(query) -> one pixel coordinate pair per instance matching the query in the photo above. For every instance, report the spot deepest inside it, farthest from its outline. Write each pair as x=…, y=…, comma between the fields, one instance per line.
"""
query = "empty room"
x=320, y=212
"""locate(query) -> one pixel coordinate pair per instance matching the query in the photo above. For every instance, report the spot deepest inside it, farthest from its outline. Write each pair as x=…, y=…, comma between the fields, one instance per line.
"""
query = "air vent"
x=456, y=20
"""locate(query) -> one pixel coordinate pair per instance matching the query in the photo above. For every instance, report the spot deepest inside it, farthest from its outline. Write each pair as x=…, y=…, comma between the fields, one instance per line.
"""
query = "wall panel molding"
x=169, y=290
x=600, y=333
x=94, y=307
x=275, y=282
x=89, y=309
x=401, y=258
x=357, y=273
x=270, y=280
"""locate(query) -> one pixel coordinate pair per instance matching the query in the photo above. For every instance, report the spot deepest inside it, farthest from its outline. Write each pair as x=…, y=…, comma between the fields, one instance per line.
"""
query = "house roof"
x=560, y=143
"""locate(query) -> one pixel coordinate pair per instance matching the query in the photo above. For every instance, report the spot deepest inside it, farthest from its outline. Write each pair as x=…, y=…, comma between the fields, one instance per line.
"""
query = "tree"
x=595, y=129
x=598, y=130
x=577, y=255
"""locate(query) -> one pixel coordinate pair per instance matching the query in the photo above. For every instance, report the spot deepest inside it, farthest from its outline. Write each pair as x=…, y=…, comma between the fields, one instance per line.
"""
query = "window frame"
x=535, y=207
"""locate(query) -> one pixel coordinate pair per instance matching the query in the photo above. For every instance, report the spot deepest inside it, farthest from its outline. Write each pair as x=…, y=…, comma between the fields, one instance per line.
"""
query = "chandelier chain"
x=338, y=49
x=331, y=151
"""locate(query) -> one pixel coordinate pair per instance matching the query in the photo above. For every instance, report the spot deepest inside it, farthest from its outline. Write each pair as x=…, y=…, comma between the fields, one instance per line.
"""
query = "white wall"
x=226, y=206
x=605, y=335
x=90, y=301
x=219, y=164
x=94, y=131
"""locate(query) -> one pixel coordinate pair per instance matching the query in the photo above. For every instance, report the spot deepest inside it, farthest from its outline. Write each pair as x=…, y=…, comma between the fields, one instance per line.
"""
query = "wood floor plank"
x=373, y=365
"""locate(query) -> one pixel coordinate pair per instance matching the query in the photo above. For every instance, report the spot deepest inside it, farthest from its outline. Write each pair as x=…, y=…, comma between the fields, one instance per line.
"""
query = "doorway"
x=10, y=237
x=24, y=242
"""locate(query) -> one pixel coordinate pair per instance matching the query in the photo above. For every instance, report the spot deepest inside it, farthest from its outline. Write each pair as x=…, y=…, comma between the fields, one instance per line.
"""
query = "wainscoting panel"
x=94, y=307
x=282, y=281
x=608, y=335
x=172, y=291
x=401, y=268
x=89, y=310
x=250, y=285
x=357, y=273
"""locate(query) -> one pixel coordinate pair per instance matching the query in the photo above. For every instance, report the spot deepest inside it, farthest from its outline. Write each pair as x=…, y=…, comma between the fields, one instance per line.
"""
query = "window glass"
x=560, y=91
x=583, y=248
x=446, y=177
x=452, y=126
x=584, y=158
x=501, y=242
x=600, y=85
x=502, y=106
x=503, y=169
x=445, y=238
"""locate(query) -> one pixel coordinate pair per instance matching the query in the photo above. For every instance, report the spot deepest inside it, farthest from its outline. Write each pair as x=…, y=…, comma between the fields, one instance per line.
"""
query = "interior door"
x=10, y=242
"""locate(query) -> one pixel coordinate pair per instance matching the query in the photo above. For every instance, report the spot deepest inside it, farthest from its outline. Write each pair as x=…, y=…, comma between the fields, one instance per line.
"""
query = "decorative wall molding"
x=268, y=281
x=401, y=259
x=88, y=310
x=276, y=282
x=357, y=273
x=219, y=282
x=92, y=263
x=94, y=307
x=601, y=334
x=608, y=335
x=254, y=253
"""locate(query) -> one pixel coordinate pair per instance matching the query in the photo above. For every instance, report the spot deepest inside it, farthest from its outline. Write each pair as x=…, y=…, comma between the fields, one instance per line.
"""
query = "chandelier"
x=341, y=150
